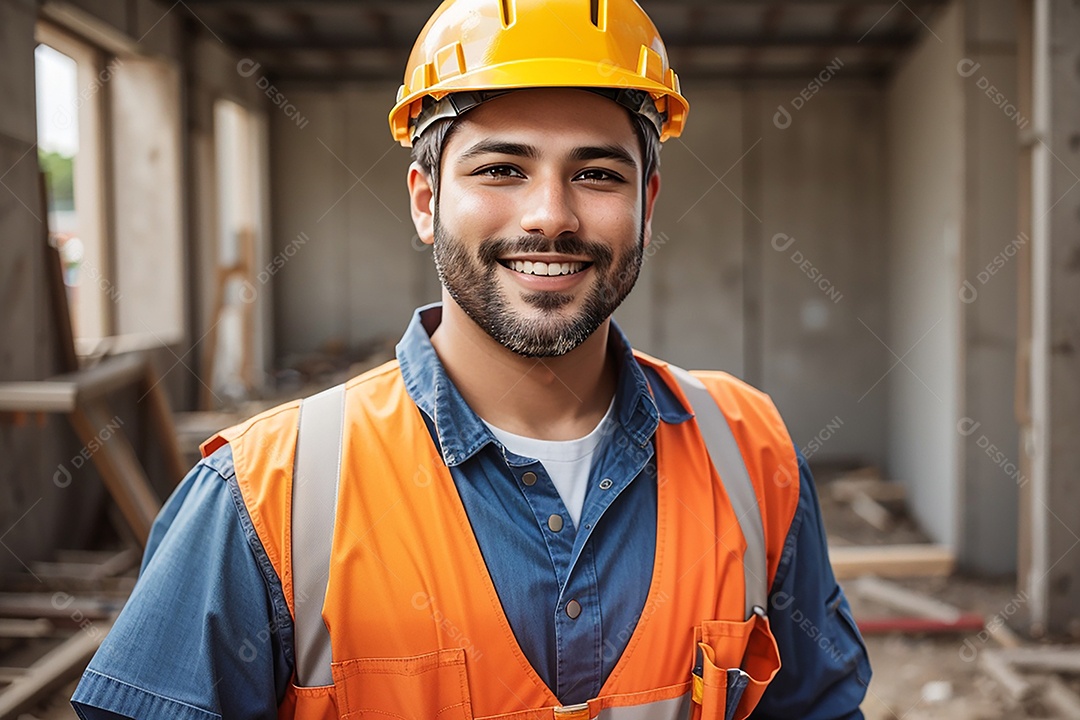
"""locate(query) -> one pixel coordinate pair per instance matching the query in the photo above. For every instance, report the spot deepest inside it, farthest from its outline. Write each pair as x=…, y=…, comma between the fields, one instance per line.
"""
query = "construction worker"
x=519, y=517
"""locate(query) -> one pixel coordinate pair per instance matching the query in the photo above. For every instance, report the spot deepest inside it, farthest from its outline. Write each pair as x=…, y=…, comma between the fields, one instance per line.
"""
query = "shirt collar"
x=462, y=433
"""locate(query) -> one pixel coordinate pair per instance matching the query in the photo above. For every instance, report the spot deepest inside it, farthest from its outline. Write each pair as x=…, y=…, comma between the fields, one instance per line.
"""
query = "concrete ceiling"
x=332, y=40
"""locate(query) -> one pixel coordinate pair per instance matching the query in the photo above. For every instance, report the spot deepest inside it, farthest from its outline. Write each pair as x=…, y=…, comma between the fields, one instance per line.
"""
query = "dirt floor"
x=916, y=676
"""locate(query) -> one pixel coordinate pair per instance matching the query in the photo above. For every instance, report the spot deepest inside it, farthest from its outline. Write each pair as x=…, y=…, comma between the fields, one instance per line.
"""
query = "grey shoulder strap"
x=728, y=461
x=316, y=473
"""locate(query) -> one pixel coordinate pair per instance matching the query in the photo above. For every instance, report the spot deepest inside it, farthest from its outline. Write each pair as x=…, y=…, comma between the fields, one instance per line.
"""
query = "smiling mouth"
x=528, y=267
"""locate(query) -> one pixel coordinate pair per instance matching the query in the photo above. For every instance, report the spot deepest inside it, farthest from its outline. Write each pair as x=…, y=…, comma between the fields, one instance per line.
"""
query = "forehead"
x=559, y=117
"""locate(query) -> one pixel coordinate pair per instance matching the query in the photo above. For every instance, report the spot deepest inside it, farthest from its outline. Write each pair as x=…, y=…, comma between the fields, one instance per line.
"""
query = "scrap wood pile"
x=883, y=574
x=53, y=616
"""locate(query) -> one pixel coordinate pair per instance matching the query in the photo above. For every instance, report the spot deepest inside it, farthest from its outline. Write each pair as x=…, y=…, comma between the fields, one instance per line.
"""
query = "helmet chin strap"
x=458, y=103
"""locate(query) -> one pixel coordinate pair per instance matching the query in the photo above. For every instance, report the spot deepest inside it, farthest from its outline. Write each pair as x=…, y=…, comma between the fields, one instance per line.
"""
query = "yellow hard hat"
x=473, y=50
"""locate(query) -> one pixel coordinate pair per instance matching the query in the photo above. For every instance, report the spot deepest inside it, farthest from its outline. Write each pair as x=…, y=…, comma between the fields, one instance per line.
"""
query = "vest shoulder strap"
x=316, y=474
x=728, y=462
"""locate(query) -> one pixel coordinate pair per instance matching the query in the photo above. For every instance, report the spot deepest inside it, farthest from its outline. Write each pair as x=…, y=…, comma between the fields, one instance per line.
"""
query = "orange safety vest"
x=410, y=619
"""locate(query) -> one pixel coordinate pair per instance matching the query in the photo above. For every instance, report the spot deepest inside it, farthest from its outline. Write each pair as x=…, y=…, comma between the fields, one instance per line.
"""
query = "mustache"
x=492, y=249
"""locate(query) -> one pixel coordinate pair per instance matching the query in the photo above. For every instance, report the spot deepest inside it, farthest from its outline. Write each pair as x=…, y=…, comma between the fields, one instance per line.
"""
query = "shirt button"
x=555, y=523
x=573, y=609
x=529, y=478
x=606, y=483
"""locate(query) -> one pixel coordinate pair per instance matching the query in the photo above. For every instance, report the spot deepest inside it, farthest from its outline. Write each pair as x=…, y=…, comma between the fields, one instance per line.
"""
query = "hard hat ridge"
x=473, y=50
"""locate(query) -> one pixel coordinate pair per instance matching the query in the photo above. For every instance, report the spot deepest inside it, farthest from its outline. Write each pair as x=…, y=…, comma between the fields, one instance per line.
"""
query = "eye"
x=599, y=175
x=499, y=172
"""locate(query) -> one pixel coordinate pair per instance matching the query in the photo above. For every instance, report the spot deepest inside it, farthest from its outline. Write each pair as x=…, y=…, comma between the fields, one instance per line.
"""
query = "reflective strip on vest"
x=314, y=496
x=673, y=709
x=316, y=476
x=727, y=459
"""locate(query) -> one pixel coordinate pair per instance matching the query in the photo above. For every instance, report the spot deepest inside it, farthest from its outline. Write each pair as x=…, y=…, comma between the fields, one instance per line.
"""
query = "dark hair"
x=427, y=149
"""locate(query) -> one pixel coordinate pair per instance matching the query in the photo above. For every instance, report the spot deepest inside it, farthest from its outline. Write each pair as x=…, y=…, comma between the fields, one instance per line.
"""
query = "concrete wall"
x=348, y=269
x=925, y=106
x=715, y=292
x=990, y=476
x=215, y=72
x=953, y=234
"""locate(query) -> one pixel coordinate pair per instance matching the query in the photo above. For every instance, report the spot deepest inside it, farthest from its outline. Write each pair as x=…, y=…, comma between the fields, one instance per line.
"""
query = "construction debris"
x=892, y=561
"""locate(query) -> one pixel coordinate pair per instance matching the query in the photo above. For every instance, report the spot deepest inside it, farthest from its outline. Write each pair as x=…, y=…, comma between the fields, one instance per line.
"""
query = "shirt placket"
x=577, y=618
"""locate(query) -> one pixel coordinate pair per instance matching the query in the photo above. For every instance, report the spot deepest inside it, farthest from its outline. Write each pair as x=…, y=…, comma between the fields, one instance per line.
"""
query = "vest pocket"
x=735, y=661
x=433, y=686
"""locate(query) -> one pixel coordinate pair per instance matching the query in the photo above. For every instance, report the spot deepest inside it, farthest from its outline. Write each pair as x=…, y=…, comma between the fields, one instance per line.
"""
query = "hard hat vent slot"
x=506, y=12
x=598, y=15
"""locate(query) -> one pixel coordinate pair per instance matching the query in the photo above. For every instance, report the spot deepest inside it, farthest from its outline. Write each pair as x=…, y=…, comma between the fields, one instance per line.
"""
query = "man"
x=520, y=517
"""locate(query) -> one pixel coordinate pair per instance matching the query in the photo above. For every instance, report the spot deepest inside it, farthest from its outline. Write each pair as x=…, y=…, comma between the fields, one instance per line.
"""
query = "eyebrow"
x=604, y=152
x=531, y=152
x=497, y=147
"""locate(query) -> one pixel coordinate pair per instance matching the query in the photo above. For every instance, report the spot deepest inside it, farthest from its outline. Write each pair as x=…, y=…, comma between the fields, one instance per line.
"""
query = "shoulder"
x=746, y=408
x=764, y=443
x=277, y=426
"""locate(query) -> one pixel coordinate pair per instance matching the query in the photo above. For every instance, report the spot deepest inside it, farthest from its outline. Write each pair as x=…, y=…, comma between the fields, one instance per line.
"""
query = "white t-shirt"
x=568, y=462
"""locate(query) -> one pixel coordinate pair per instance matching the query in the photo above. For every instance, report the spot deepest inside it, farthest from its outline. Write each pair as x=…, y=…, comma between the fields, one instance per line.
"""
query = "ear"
x=652, y=189
x=422, y=204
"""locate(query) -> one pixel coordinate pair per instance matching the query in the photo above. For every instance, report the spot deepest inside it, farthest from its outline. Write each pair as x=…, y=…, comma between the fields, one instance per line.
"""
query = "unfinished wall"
x=30, y=503
x=953, y=143
x=216, y=72
x=822, y=264
x=715, y=290
x=925, y=106
x=988, y=492
x=40, y=510
x=347, y=269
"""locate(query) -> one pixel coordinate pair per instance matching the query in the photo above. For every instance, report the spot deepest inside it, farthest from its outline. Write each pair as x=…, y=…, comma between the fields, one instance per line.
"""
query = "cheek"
x=475, y=211
x=615, y=216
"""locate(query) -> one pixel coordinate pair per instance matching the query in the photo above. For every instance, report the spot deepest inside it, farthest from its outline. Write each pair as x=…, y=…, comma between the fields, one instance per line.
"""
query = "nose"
x=549, y=210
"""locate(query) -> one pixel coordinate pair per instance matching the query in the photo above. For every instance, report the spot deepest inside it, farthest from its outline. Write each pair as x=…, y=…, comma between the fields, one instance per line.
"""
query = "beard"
x=553, y=328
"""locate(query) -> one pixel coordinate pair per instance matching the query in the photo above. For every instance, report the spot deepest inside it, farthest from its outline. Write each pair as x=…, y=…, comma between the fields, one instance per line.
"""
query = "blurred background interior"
x=872, y=215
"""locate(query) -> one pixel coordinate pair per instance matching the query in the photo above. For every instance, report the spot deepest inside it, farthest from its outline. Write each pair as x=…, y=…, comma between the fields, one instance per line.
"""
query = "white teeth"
x=541, y=268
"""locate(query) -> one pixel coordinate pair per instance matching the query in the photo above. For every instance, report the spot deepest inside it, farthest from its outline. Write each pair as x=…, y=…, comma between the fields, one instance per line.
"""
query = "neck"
x=556, y=398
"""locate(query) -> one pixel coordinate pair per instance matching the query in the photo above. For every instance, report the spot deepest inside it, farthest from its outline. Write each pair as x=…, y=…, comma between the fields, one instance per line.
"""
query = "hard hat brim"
x=544, y=73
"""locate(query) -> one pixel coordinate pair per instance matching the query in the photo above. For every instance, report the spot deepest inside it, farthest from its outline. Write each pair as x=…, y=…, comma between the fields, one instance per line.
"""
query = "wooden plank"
x=1044, y=658
x=115, y=459
x=161, y=420
x=67, y=360
x=24, y=628
x=892, y=561
x=38, y=396
x=874, y=513
x=1060, y=696
x=60, y=606
x=846, y=489
x=50, y=672
x=62, y=393
x=901, y=598
x=1018, y=687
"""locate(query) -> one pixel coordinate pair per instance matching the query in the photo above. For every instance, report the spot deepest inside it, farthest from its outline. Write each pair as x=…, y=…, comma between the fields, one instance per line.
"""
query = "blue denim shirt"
x=206, y=633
